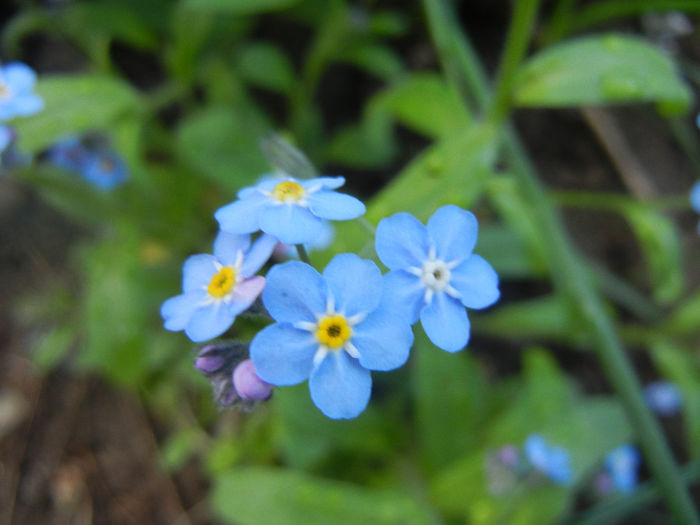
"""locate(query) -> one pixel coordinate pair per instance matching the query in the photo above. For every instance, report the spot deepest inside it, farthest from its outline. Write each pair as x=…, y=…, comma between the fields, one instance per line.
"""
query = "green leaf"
x=505, y=251
x=72, y=105
x=376, y=59
x=239, y=7
x=223, y=143
x=179, y=447
x=659, y=241
x=426, y=104
x=254, y=495
x=266, y=66
x=684, y=319
x=601, y=70
x=53, y=346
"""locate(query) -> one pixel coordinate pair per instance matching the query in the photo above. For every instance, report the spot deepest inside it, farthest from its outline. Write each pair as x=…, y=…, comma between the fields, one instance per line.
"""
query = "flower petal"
x=453, y=232
x=327, y=183
x=283, y=355
x=290, y=223
x=294, y=292
x=476, y=281
x=340, y=387
x=245, y=293
x=384, y=340
x=209, y=321
x=266, y=184
x=198, y=271
x=401, y=241
x=19, y=77
x=28, y=104
x=242, y=216
x=445, y=322
x=335, y=206
x=695, y=197
x=356, y=284
x=404, y=293
x=227, y=245
x=259, y=254
x=177, y=311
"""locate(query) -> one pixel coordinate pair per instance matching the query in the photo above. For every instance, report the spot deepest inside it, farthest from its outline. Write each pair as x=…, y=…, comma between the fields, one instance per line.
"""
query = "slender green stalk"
x=303, y=254
x=566, y=267
x=517, y=40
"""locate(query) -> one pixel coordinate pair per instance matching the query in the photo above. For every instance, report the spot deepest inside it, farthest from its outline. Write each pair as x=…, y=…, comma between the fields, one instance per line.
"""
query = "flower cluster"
x=335, y=327
x=92, y=159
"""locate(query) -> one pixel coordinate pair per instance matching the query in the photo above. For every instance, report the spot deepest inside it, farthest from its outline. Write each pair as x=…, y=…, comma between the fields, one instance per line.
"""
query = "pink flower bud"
x=247, y=383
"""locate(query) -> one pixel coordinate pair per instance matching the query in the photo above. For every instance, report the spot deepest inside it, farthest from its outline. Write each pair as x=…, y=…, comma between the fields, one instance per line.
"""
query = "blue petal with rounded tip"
x=19, y=77
x=446, y=323
x=401, y=241
x=242, y=216
x=356, y=284
x=695, y=197
x=28, y=104
x=209, y=322
x=290, y=223
x=283, y=355
x=335, y=206
x=340, y=387
x=383, y=339
x=227, y=245
x=259, y=254
x=177, y=311
x=198, y=271
x=328, y=183
x=454, y=232
x=404, y=293
x=476, y=281
x=294, y=292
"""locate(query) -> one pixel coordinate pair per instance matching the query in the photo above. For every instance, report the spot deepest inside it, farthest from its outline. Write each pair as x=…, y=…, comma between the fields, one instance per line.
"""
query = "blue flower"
x=104, y=169
x=695, y=199
x=292, y=210
x=69, y=154
x=16, y=96
x=551, y=461
x=622, y=464
x=332, y=330
x=216, y=288
x=434, y=274
x=663, y=397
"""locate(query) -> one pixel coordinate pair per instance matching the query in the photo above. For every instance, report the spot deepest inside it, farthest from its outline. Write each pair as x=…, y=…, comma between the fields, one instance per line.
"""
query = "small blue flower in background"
x=69, y=154
x=104, y=169
x=663, y=398
x=330, y=329
x=17, y=99
x=622, y=464
x=551, y=461
x=434, y=274
x=292, y=210
x=695, y=199
x=216, y=288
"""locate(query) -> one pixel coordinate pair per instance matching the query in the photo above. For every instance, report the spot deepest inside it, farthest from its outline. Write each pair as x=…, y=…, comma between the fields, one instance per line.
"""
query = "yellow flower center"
x=333, y=331
x=288, y=191
x=222, y=282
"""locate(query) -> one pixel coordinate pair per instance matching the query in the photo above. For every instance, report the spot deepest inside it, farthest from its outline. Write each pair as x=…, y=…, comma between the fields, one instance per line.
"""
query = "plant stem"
x=303, y=254
x=566, y=267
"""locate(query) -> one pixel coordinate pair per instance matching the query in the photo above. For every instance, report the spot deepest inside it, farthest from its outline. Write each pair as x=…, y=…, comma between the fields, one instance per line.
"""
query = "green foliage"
x=608, y=69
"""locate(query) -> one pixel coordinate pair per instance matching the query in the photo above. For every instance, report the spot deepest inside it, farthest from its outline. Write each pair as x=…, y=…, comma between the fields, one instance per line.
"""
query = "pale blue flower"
x=330, y=329
x=434, y=274
x=551, y=461
x=216, y=288
x=16, y=96
x=292, y=210
x=663, y=397
x=622, y=464
x=104, y=169
x=695, y=199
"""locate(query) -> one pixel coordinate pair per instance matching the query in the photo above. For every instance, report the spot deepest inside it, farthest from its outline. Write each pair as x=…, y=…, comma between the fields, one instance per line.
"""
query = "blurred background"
x=104, y=419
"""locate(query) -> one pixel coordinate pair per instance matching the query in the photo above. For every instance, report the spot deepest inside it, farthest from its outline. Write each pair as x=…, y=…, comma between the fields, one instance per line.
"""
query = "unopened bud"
x=247, y=383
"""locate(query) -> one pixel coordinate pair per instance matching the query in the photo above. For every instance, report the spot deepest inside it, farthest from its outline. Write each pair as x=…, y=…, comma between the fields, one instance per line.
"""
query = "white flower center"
x=435, y=274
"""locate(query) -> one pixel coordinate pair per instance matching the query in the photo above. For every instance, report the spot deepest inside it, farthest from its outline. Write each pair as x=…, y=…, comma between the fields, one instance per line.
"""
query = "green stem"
x=517, y=40
x=560, y=21
x=567, y=271
x=303, y=254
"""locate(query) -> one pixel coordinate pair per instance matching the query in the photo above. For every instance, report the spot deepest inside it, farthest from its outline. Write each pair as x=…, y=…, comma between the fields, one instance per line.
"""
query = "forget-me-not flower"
x=695, y=199
x=663, y=398
x=104, y=169
x=17, y=98
x=331, y=329
x=292, y=210
x=622, y=464
x=551, y=461
x=434, y=274
x=216, y=288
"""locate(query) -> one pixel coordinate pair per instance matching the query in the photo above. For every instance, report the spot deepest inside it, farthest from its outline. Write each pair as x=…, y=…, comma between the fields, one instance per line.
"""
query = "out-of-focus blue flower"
x=216, y=288
x=551, y=461
x=622, y=464
x=292, y=210
x=248, y=384
x=330, y=329
x=434, y=274
x=663, y=397
x=69, y=154
x=6, y=136
x=16, y=96
x=695, y=197
x=104, y=169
